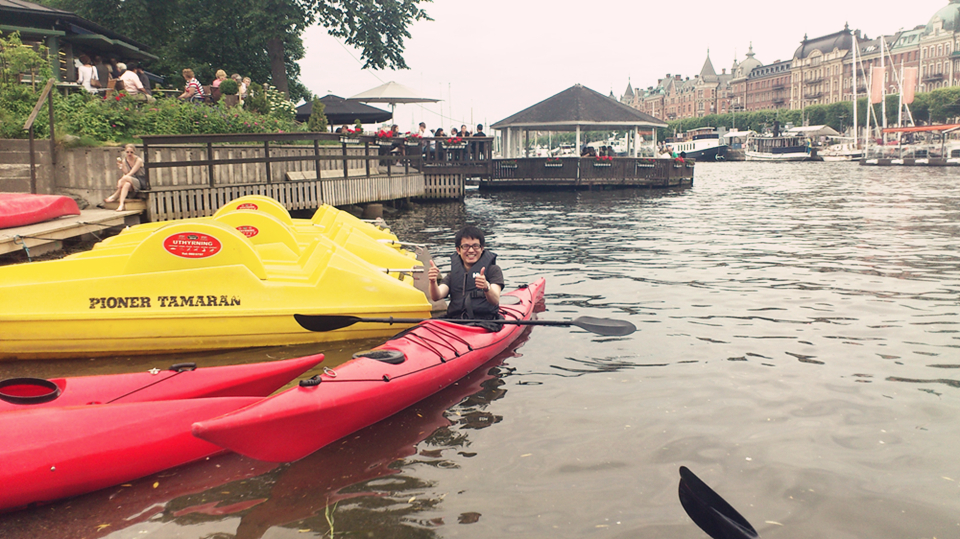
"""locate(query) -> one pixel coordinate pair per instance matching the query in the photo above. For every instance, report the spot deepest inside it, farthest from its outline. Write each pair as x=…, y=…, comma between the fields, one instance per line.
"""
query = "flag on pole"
x=909, y=84
x=876, y=84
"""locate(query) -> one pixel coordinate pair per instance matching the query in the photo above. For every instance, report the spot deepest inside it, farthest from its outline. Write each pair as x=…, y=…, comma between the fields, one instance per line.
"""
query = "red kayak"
x=117, y=428
x=377, y=384
x=181, y=381
x=20, y=209
x=52, y=453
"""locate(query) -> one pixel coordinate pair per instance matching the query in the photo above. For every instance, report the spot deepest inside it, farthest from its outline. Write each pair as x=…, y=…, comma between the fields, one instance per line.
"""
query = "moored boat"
x=702, y=144
x=376, y=384
x=21, y=209
x=180, y=381
x=780, y=148
x=191, y=286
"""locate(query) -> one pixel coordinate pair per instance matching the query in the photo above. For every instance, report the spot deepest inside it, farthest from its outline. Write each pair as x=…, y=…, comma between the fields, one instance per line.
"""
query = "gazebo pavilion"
x=577, y=108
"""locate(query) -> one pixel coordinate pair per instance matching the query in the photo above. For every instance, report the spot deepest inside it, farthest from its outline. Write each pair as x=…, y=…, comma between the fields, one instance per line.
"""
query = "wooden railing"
x=192, y=175
x=28, y=126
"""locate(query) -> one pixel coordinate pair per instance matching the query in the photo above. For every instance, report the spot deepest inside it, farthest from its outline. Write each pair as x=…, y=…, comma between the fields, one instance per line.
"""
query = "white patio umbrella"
x=392, y=93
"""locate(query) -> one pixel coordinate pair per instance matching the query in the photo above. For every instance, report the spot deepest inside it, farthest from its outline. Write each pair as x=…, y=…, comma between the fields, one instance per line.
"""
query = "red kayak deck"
x=181, y=381
x=299, y=421
x=20, y=209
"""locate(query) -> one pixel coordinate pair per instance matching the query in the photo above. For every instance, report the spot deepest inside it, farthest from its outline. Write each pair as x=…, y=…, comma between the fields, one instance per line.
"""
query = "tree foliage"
x=939, y=106
x=257, y=38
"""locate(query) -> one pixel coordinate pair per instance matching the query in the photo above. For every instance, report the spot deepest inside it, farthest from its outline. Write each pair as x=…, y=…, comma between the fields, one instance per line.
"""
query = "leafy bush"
x=318, y=120
x=256, y=100
x=229, y=87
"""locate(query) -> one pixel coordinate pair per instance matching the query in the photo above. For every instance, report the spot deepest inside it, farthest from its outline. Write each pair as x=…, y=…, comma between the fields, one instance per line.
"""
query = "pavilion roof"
x=578, y=106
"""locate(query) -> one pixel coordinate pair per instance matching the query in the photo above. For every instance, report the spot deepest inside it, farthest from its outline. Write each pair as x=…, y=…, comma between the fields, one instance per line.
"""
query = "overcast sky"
x=487, y=59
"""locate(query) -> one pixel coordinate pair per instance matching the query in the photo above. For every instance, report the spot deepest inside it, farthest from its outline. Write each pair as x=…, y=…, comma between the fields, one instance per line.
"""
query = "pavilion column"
x=577, y=149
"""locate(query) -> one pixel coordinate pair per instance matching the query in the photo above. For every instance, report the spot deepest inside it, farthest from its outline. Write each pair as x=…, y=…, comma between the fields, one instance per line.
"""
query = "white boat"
x=702, y=144
x=782, y=148
x=843, y=149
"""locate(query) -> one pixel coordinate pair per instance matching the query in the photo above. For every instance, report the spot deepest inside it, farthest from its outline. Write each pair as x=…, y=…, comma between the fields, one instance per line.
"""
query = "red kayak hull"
x=21, y=209
x=251, y=380
x=299, y=421
x=52, y=453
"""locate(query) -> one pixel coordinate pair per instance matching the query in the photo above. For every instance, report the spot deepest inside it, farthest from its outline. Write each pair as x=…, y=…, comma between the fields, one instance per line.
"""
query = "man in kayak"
x=474, y=282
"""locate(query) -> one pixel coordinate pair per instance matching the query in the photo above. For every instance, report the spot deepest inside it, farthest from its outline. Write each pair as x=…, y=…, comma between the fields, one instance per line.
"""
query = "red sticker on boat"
x=248, y=206
x=248, y=231
x=192, y=245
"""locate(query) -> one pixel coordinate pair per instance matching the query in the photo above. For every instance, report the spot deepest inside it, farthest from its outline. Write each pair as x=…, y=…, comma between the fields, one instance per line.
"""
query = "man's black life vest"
x=465, y=300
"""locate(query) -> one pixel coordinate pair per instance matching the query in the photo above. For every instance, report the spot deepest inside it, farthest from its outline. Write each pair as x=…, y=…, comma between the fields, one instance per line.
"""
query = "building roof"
x=949, y=14
x=578, y=106
x=707, y=71
x=341, y=111
x=749, y=63
x=30, y=18
x=842, y=40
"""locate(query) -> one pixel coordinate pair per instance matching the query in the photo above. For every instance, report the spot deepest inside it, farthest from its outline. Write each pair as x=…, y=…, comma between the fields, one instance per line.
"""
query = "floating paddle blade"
x=604, y=326
x=325, y=322
x=711, y=512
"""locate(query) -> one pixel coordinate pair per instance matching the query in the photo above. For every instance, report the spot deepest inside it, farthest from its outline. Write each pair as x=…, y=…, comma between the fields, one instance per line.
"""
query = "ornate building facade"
x=819, y=73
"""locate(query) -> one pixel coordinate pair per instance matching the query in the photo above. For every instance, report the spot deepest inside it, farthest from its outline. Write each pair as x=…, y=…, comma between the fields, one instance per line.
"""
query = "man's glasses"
x=470, y=247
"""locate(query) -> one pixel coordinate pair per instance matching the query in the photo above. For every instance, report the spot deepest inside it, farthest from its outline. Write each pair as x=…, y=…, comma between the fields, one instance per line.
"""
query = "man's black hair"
x=469, y=232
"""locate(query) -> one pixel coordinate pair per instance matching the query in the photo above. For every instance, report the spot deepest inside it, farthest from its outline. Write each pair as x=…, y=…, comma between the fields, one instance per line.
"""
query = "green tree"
x=261, y=40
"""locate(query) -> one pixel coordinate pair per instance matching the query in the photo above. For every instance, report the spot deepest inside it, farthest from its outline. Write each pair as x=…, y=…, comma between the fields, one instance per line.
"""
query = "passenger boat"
x=180, y=381
x=21, y=209
x=782, y=148
x=703, y=143
x=376, y=384
x=52, y=452
x=229, y=282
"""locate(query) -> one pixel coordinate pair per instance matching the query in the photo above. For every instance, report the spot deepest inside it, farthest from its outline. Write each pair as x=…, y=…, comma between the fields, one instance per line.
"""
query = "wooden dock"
x=40, y=238
x=587, y=173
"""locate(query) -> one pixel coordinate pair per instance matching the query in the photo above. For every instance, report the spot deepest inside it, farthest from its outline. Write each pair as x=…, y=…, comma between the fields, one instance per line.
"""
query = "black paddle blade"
x=711, y=512
x=326, y=322
x=604, y=326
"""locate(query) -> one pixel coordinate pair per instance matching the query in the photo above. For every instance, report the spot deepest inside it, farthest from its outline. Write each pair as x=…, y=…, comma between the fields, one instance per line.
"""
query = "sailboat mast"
x=853, y=66
x=883, y=86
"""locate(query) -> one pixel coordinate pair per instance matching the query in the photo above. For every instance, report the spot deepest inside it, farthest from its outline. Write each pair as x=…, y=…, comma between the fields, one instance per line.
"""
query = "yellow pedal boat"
x=197, y=285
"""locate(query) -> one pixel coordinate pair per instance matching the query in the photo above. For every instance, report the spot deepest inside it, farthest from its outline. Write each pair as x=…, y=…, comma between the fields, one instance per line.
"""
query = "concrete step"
x=23, y=158
x=15, y=185
x=19, y=145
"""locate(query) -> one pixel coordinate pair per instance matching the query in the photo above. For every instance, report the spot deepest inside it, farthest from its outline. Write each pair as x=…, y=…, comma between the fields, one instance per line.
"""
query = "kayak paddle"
x=711, y=512
x=600, y=326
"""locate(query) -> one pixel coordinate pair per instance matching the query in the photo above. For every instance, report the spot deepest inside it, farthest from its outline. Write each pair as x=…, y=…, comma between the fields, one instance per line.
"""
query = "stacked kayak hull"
x=409, y=368
x=53, y=451
x=202, y=285
x=181, y=381
x=21, y=209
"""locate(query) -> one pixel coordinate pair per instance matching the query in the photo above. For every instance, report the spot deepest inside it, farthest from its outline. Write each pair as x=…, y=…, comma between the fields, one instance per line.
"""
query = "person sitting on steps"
x=134, y=176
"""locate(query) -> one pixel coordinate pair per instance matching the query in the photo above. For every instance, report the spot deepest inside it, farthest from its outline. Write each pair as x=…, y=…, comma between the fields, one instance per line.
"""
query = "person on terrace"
x=87, y=73
x=134, y=176
x=474, y=282
x=221, y=76
x=131, y=84
x=193, y=91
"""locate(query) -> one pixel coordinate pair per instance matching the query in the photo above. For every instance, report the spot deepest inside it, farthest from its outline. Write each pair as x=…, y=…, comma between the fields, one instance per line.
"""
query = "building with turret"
x=820, y=72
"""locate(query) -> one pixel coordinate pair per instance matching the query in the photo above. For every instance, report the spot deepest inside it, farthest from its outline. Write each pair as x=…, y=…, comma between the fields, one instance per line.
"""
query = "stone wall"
x=15, y=166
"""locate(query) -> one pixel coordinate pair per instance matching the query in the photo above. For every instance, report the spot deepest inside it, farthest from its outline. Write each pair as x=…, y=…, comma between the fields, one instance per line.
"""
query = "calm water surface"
x=798, y=348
